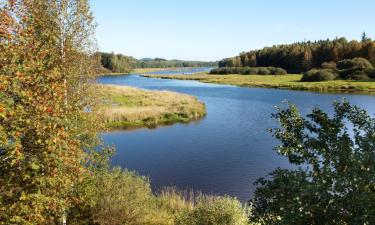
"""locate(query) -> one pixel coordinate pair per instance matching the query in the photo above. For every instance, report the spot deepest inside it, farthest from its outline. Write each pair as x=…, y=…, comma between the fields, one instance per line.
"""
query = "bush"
x=249, y=70
x=277, y=71
x=370, y=73
x=264, y=71
x=114, y=197
x=358, y=75
x=355, y=63
x=328, y=65
x=314, y=75
x=355, y=69
x=214, y=211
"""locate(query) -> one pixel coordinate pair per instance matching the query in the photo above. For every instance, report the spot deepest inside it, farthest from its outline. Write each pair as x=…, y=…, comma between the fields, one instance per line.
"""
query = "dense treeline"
x=119, y=63
x=163, y=63
x=303, y=56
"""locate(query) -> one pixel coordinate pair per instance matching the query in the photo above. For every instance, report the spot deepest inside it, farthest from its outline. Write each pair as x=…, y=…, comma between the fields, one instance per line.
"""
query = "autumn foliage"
x=45, y=127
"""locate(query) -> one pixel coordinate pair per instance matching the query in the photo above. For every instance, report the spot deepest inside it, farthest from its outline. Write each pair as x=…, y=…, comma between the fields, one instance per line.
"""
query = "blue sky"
x=212, y=30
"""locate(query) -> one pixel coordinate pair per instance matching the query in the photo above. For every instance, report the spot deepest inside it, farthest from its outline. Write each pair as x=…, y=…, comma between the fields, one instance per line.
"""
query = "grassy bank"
x=127, y=107
x=290, y=81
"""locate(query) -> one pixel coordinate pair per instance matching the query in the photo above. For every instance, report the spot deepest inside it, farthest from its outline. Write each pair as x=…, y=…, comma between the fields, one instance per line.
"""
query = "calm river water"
x=225, y=152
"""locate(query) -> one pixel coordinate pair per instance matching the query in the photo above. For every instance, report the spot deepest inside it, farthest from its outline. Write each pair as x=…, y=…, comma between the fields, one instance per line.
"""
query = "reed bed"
x=128, y=107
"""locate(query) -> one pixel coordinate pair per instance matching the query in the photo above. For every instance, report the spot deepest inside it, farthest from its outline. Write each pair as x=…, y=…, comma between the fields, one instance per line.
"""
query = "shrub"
x=328, y=65
x=249, y=70
x=277, y=71
x=114, y=197
x=358, y=75
x=214, y=211
x=319, y=75
x=253, y=71
x=215, y=71
x=264, y=71
x=355, y=63
x=355, y=69
x=222, y=70
x=309, y=76
x=370, y=73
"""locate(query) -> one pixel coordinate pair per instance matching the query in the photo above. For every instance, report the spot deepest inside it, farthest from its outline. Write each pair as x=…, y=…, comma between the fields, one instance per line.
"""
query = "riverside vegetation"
x=127, y=107
x=54, y=168
x=289, y=81
x=117, y=63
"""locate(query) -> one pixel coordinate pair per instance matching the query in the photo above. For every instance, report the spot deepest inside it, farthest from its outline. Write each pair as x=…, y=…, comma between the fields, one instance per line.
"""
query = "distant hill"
x=120, y=63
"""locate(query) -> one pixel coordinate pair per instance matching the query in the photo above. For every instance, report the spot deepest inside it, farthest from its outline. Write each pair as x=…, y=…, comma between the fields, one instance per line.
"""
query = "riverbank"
x=289, y=81
x=150, y=70
x=138, y=71
x=128, y=107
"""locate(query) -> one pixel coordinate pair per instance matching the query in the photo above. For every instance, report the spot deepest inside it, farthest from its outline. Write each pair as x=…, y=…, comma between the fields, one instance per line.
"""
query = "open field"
x=290, y=81
x=127, y=107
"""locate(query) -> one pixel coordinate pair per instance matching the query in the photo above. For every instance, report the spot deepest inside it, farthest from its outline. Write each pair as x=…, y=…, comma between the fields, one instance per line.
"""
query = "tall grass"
x=118, y=197
x=127, y=107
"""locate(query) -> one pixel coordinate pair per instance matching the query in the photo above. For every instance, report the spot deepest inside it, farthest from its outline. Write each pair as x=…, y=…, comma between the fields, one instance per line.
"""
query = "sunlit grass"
x=290, y=81
x=127, y=107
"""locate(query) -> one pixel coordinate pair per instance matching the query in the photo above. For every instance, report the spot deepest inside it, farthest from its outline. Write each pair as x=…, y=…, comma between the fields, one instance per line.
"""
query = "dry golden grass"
x=128, y=107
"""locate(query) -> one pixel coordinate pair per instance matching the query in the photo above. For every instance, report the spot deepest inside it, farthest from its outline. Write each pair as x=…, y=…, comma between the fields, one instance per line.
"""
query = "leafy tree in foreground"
x=45, y=72
x=338, y=185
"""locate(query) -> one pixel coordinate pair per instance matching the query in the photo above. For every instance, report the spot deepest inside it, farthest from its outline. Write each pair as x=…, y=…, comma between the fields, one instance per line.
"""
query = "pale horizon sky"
x=211, y=30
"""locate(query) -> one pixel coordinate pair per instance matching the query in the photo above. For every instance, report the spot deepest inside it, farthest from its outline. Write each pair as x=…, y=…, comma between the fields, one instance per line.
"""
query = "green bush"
x=358, y=75
x=114, y=197
x=328, y=65
x=264, y=71
x=355, y=69
x=214, y=211
x=355, y=63
x=249, y=70
x=315, y=75
x=278, y=71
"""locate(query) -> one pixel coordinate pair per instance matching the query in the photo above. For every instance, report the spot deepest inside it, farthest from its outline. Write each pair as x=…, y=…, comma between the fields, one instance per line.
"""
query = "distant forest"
x=119, y=63
x=303, y=56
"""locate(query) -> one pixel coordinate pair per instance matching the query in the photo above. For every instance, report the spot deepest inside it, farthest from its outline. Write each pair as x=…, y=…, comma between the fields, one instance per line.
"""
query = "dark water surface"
x=226, y=151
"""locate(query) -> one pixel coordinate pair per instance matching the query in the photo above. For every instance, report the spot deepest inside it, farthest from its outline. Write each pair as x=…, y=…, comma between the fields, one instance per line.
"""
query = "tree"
x=365, y=38
x=303, y=56
x=335, y=181
x=46, y=130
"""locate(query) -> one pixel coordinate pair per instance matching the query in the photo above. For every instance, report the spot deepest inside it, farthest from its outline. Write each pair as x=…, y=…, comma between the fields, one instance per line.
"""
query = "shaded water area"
x=225, y=152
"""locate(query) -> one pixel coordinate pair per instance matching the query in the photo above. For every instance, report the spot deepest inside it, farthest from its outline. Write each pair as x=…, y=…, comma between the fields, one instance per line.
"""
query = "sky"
x=211, y=30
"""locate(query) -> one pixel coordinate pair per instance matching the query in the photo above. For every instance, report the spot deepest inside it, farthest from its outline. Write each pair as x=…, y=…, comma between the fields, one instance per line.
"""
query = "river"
x=225, y=152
